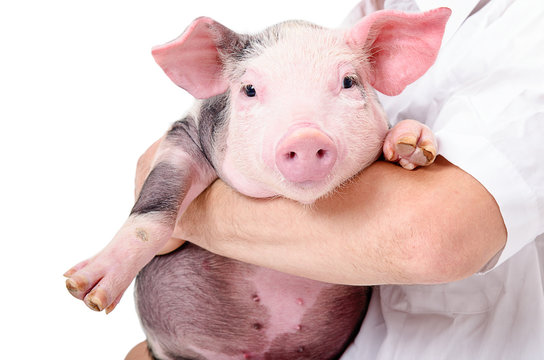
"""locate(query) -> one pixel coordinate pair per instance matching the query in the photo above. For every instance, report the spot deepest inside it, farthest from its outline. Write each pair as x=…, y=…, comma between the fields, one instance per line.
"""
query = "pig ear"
x=401, y=46
x=192, y=60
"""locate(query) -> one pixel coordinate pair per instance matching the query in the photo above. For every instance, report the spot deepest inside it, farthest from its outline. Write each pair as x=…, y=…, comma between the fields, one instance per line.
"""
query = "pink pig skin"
x=291, y=112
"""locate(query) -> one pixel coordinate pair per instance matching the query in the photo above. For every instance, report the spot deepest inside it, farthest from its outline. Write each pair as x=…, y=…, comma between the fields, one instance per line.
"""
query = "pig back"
x=197, y=305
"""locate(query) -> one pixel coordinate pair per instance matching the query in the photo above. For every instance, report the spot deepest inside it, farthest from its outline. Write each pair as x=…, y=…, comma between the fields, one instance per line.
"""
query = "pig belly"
x=197, y=305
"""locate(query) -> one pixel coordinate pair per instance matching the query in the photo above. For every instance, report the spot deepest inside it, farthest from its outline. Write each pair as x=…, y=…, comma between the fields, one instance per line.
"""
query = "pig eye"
x=250, y=90
x=348, y=82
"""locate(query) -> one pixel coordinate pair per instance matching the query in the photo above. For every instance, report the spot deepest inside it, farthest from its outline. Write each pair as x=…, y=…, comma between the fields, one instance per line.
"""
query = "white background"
x=80, y=99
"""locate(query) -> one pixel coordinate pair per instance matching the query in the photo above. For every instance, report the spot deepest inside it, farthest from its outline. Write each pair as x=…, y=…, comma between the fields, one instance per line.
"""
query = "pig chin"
x=309, y=192
x=305, y=193
x=308, y=198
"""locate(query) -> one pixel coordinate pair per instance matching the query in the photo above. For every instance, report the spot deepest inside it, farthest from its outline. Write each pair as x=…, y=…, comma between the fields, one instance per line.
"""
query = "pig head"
x=298, y=112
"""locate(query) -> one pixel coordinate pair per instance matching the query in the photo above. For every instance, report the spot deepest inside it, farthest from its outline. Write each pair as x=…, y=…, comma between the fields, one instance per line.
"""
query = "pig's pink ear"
x=192, y=60
x=401, y=46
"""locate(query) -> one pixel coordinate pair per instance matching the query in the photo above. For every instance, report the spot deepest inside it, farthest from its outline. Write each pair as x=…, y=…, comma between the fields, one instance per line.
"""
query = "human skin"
x=139, y=352
x=387, y=225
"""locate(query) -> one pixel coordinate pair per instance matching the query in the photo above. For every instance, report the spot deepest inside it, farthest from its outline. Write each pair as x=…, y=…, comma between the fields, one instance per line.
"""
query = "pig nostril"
x=321, y=153
x=292, y=155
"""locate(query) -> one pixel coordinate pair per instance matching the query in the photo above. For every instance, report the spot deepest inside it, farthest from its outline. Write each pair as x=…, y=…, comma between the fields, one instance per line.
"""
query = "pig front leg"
x=178, y=174
x=411, y=144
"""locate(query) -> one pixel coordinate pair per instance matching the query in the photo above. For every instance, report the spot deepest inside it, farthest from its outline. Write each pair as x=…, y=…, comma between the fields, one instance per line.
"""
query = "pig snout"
x=305, y=154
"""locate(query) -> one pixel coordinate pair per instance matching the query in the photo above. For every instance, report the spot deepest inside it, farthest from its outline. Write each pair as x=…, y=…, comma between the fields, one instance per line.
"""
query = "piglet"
x=290, y=111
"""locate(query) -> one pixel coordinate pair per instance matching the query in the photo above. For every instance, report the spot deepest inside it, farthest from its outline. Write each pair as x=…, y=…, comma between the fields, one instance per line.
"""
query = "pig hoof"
x=99, y=283
x=411, y=144
x=74, y=286
x=412, y=155
x=95, y=300
x=429, y=151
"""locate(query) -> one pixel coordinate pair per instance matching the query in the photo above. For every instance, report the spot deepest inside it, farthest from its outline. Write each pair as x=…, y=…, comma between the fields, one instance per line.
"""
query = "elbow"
x=447, y=253
x=446, y=226
x=436, y=265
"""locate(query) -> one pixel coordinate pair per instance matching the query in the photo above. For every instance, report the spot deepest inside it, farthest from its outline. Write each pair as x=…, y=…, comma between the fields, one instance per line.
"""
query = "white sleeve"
x=494, y=130
x=362, y=9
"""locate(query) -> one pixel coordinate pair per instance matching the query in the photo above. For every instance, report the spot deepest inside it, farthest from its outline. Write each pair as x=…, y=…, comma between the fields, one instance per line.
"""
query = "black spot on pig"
x=161, y=191
x=164, y=186
x=213, y=119
x=229, y=43
x=184, y=134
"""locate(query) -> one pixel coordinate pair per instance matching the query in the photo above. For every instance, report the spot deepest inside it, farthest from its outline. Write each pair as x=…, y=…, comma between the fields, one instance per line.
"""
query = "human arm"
x=387, y=225
x=139, y=352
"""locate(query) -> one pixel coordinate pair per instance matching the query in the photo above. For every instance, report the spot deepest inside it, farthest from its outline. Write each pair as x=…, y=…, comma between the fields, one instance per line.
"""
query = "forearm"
x=388, y=225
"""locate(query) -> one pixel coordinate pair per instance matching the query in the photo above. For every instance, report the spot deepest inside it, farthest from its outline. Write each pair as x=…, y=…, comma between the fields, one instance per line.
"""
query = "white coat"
x=484, y=99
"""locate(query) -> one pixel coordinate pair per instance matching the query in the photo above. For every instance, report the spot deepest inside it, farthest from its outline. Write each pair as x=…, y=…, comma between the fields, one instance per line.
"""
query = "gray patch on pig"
x=161, y=191
x=193, y=299
x=164, y=187
x=247, y=48
x=213, y=119
x=184, y=134
x=232, y=47
x=231, y=44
